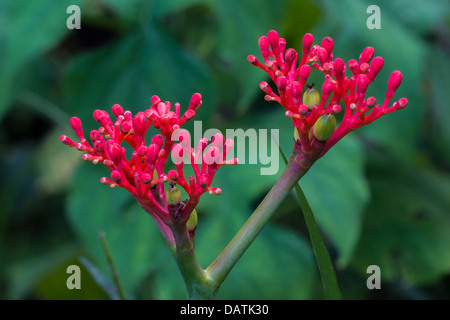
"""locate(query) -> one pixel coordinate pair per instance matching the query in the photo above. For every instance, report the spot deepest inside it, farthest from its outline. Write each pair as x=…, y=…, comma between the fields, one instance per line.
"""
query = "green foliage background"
x=381, y=196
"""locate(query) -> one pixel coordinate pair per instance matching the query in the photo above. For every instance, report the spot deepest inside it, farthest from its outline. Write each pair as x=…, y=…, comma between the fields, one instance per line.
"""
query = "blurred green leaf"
x=240, y=24
x=438, y=103
x=406, y=227
x=337, y=193
x=134, y=239
x=30, y=29
x=132, y=70
x=398, y=131
x=101, y=279
x=25, y=274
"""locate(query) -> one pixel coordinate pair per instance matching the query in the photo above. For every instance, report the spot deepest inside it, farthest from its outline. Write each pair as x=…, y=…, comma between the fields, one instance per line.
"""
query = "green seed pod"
x=311, y=97
x=173, y=196
x=192, y=222
x=324, y=127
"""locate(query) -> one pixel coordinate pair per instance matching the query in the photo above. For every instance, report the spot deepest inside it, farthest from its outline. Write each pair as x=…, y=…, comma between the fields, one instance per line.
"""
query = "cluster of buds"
x=312, y=112
x=144, y=173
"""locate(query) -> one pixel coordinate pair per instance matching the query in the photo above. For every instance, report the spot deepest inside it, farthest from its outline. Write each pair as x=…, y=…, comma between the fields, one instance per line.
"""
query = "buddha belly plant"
x=143, y=171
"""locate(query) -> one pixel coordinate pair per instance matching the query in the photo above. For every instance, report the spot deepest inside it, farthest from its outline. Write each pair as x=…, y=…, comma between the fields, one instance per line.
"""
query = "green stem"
x=112, y=266
x=199, y=286
x=297, y=166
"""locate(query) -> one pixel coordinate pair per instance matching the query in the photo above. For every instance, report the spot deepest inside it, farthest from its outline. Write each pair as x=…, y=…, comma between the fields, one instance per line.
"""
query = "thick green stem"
x=297, y=166
x=199, y=286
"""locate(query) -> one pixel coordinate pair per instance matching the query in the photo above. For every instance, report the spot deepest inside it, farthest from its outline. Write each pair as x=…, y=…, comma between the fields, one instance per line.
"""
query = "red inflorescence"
x=290, y=72
x=143, y=174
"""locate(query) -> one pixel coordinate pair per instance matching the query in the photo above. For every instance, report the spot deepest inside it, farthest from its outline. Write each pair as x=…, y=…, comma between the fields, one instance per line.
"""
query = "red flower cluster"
x=143, y=175
x=290, y=77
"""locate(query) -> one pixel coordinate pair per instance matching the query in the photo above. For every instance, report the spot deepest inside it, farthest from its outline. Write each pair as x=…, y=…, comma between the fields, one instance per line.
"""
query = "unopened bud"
x=311, y=97
x=196, y=101
x=117, y=110
x=307, y=42
x=393, y=83
x=328, y=44
x=305, y=71
x=366, y=55
x=75, y=123
x=339, y=69
x=173, y=196
x=191, y=224
x=371, y=102
x=264, y=46
x=274, y=40
x=173, y=175
x=324, y=127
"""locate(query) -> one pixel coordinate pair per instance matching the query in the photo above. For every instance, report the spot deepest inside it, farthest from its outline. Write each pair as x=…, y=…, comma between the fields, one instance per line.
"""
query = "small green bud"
x=173, y=196
x=296, y=135
x=324, y=127
x=191, y=224
x=311, y=97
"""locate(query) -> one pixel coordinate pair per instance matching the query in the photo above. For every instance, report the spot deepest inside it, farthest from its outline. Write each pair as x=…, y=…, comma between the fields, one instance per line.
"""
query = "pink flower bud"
x=203, y=181
x=188, y=115
x=339, y=69
x=328, y=44
x=95, y=135
x=126, y=127
x=102, y=117
x=366, y=55
x=305, y=71
x=99, y=146
x=264, y=46
x=274, y=41
x=371, y=102
x=393, y=83
x=296, y=91
x=281, y=84
x=196, y=101
x=140, y=124
x=364, y=67
x=336, y=108
x=322, y=55
x=362, y=82
x=218, y=140
x=402, y=103
x=146, y=178
x=116, y=175
x=290, y=56
x=354, y=66
x=184, y=138
x=155, y=100
x=75, y=123
x=375, y=67
x=114, y=152
x=66, y=140
x=162, y=109
x=265, y=87
x=327, y=89
x=142, y=151
x=282, y=44
x=202, y=144
x=252, y=59
x=307, y=42
x=303, y=109
x=152, y=153
x=177, y=154
x=158, y=140
x=117, y=110
x=173, y=175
